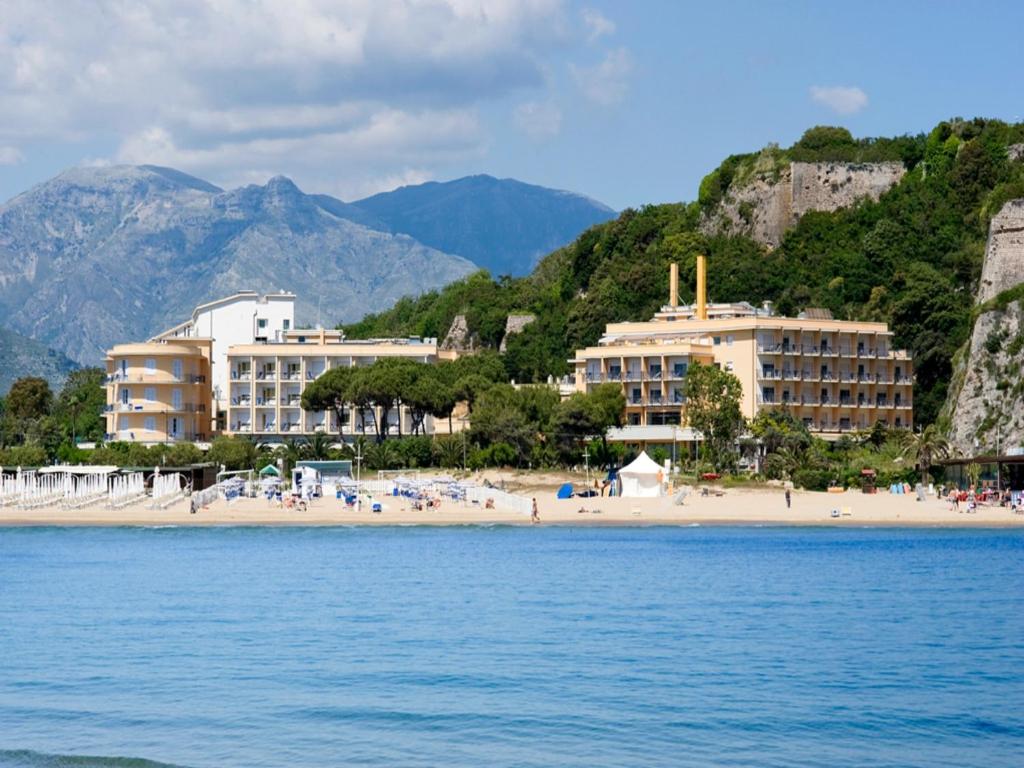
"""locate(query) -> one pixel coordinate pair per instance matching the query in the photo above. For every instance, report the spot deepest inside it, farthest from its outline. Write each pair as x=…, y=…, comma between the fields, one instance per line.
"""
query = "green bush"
x=813, y=479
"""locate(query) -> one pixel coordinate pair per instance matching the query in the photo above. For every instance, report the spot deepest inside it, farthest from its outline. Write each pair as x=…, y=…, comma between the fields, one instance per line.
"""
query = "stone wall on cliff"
x=987, y=399
x=767, y=206
x=514, y=324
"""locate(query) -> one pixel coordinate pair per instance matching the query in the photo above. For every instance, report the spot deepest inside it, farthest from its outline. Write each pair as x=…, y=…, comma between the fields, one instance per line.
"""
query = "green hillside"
x=911, y=259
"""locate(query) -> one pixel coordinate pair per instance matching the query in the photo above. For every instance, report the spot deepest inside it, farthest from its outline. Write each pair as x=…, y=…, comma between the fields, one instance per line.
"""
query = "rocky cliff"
x=988, y=404
x=773, y=199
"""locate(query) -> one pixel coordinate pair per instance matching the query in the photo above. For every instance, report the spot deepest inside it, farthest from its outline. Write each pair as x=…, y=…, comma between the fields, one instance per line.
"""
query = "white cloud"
x=336, y=93
x=841, y=99
x=538, y=120
x=598, y=25
x=10, y=156
x=608, y=82
x=344, y=161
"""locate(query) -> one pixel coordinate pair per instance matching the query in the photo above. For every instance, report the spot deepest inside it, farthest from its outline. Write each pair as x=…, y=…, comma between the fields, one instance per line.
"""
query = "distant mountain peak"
x=504, y=225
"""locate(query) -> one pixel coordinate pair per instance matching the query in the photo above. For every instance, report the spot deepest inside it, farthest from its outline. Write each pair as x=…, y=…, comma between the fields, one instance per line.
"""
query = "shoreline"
x=734, y=508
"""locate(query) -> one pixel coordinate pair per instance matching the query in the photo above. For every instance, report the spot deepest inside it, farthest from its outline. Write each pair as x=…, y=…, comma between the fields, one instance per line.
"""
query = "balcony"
x=266, y=402
x=241, y=376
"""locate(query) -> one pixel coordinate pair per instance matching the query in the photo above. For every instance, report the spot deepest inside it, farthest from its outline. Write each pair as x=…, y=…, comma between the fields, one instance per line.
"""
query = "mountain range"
x=97, y=256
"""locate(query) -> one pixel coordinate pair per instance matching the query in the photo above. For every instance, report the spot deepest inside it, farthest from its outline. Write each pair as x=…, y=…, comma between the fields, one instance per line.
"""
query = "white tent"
x=642, y=479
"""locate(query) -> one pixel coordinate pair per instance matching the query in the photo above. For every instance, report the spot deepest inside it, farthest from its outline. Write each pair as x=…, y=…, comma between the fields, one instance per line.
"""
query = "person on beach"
x=789, y=499
x=954, y=500
x=535, y=514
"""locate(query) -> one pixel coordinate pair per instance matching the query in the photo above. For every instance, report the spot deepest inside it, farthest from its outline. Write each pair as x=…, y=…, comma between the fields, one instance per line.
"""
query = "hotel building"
x=833, y=375
x=267, y=381
x=238, y=366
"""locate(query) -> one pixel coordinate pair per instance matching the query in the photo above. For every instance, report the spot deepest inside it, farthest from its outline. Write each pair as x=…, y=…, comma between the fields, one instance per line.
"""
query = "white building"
x=244, y=318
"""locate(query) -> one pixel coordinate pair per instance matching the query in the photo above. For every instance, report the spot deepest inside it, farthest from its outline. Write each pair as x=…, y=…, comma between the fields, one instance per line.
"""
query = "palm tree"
x=318, y=446
x=925, y=446
x=382, y=455
x=293, y=451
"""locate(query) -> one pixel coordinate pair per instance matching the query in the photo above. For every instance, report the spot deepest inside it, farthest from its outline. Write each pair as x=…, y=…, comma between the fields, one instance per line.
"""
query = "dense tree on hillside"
x=911, y=259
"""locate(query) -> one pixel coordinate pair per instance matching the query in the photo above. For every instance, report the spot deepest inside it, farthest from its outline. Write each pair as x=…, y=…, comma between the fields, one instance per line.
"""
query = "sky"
x=627, y=102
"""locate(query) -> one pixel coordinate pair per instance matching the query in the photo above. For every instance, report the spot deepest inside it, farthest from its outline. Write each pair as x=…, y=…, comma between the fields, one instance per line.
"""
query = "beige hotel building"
x=834, y=375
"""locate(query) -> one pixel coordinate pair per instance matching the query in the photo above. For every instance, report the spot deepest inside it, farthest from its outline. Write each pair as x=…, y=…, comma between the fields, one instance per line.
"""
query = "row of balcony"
x=127, y=435
x=833, y=402
x=152, y=406
x=266, y=402
x=154, y=377
x=678, y=400
x=830, y=351
x=296, y=427
x=273, y=375
x=857, y=378
x=649, y=375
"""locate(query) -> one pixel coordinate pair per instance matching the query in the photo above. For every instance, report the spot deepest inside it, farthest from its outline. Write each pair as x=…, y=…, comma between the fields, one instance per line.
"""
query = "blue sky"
x=626, y=102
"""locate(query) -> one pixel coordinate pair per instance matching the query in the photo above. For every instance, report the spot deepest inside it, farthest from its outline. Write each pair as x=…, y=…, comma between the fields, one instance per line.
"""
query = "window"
x=636, y=397
x=729, y=340
x=175, y=427
x=176, y=369
x=717, y=340
x=728, y=365
x=287, y=324
x=150, y=394
x=150, y=424
x=125, y=395
x=768, y=371
x=176, y=399
x=768, y=394
x=124, y=367
x=150, y=365
x=261, y=323
x=302, y=339
x=680, y=370
x=122, y=423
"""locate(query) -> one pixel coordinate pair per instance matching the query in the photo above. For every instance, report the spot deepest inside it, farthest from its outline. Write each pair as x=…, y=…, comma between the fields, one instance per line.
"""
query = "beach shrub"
x=24, y=456
x=813, y=479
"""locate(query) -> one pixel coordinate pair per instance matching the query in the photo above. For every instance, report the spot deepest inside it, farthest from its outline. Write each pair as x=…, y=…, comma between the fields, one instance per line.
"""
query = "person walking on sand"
x=789, y=499
x=535, y=514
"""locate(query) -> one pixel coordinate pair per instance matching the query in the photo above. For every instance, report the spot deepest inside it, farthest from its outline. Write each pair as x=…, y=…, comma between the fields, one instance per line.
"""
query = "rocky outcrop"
x=769, y=204
x=458, y=336
x=987, y=399
x=514, y=324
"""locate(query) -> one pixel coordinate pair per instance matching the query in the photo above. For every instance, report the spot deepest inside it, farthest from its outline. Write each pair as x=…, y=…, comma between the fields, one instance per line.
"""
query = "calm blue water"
x=511, y=647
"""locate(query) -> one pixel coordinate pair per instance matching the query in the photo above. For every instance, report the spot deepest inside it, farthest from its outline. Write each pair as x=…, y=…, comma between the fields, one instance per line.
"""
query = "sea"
x=505, y=646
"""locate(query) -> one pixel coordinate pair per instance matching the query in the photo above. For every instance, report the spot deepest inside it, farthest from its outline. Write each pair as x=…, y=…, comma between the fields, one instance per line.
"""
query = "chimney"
x=702, y=288
x=673, y=285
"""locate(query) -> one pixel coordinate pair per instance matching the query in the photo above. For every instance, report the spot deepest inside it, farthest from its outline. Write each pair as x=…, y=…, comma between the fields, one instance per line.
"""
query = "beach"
x=735, y=506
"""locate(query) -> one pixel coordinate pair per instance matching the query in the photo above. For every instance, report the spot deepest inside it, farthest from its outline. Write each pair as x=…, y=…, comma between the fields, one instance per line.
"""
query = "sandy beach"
x=734, y=507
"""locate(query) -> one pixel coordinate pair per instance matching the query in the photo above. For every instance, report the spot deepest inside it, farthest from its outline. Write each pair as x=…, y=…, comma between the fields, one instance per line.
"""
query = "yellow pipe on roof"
x=702, y=288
